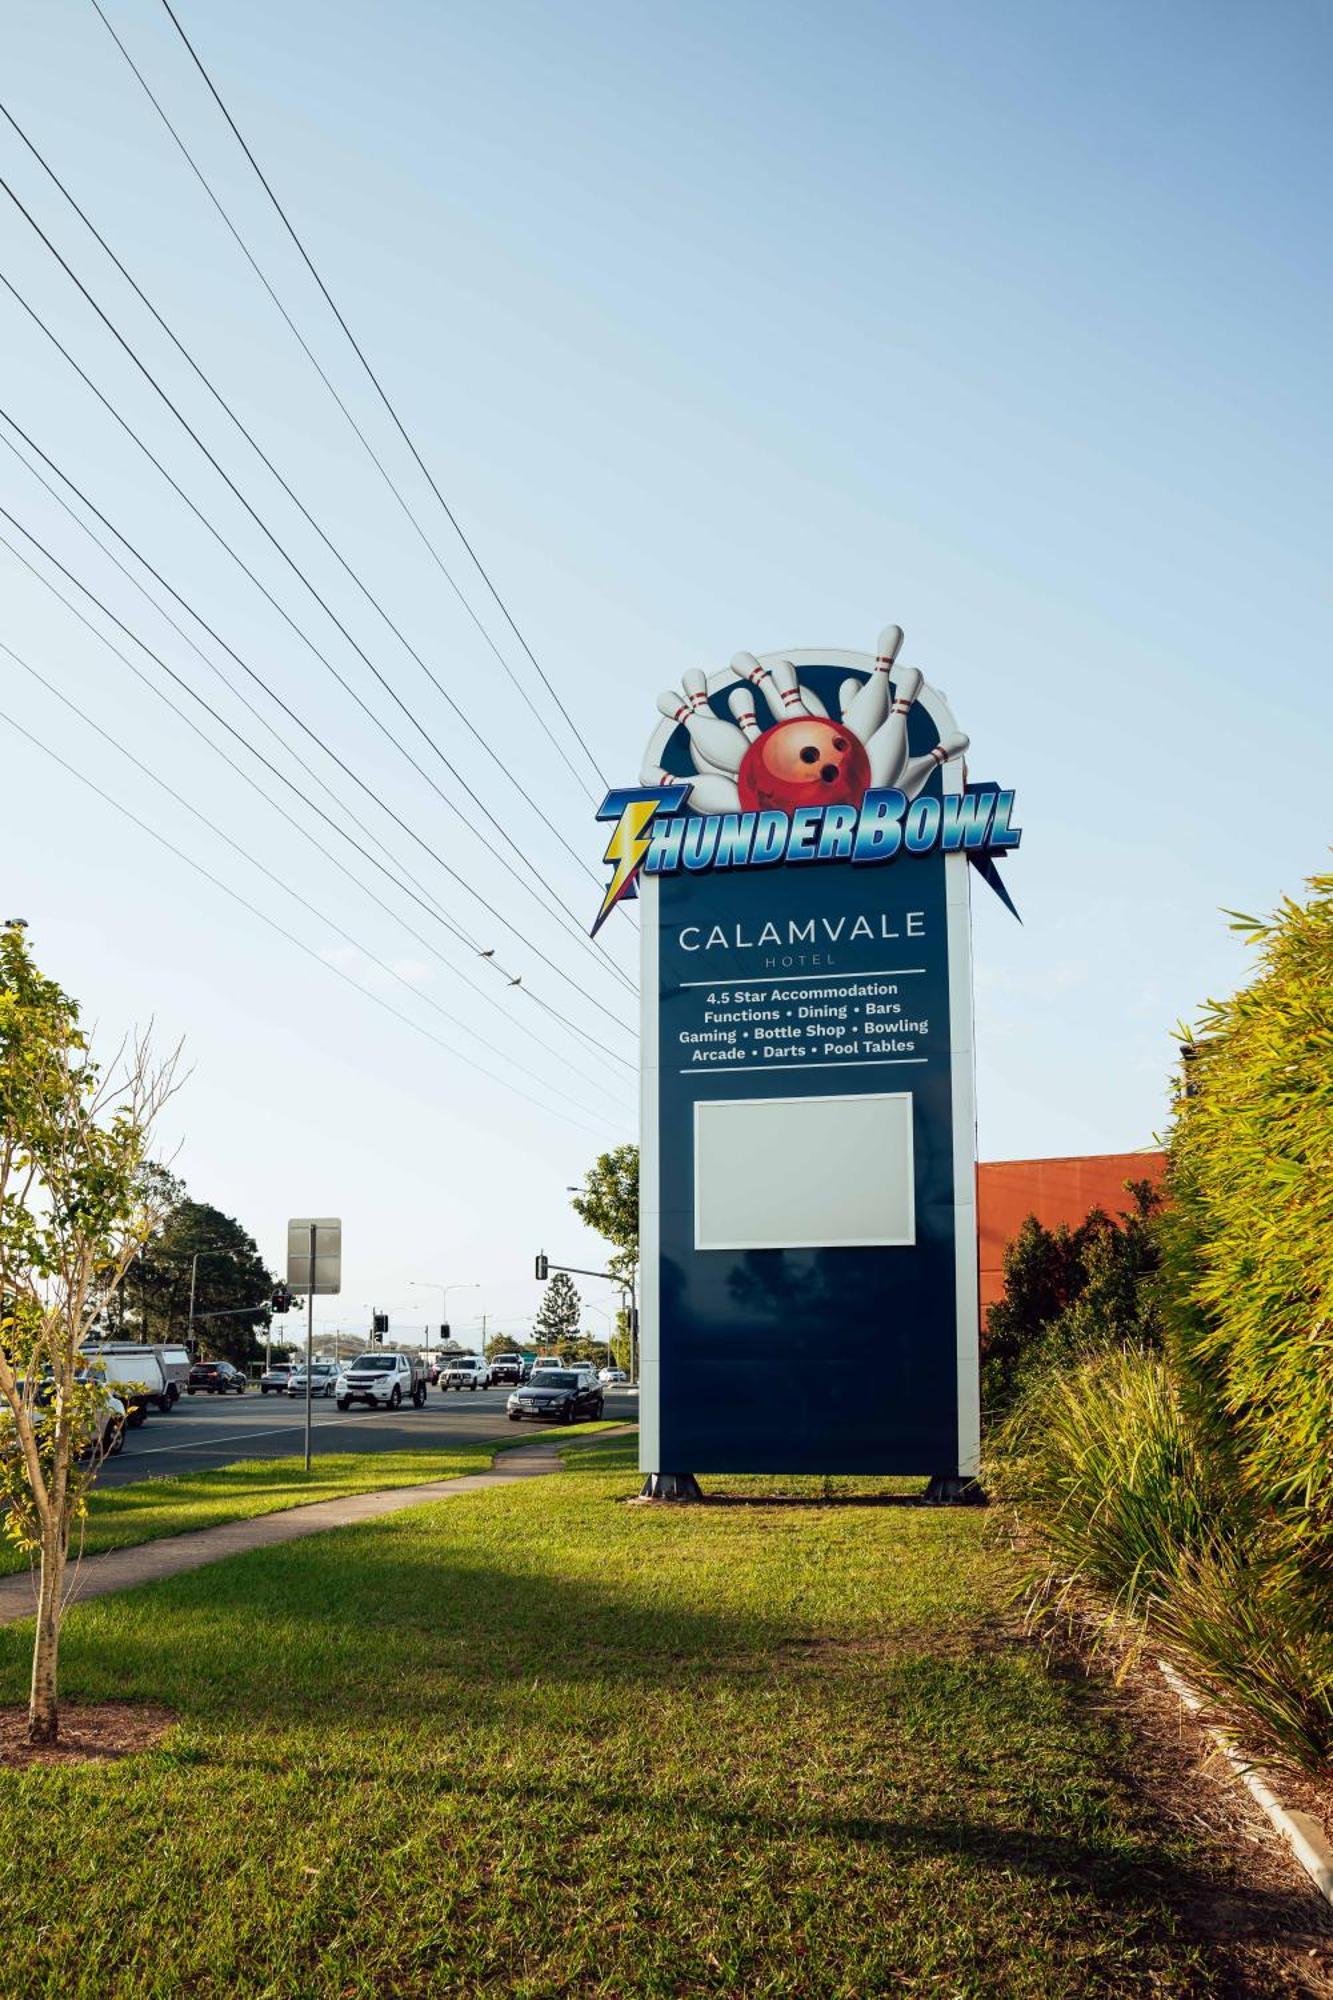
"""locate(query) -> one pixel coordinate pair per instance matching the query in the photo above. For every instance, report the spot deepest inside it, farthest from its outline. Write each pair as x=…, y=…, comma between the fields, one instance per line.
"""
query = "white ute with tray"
x=383, y=1381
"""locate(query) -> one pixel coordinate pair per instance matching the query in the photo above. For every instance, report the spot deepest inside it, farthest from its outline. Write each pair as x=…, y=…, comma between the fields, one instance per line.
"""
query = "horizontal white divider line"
x=773, y=1068
x=805, y=978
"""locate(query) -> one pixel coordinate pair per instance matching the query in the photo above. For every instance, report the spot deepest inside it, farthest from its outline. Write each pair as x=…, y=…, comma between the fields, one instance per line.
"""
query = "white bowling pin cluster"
x=876, y=710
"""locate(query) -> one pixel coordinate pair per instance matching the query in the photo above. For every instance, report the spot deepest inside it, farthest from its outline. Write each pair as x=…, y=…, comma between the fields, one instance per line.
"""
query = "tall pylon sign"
x=802, y=844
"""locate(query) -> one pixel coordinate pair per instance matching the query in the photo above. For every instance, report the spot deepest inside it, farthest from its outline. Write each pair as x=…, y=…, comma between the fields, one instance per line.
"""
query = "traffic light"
x=444, y=1331
x=380, y=1324
x=282, y=1300
x=543, y=1267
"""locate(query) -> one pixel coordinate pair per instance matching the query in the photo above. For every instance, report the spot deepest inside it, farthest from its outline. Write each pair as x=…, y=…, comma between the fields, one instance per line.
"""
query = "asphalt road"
x=213, y=1430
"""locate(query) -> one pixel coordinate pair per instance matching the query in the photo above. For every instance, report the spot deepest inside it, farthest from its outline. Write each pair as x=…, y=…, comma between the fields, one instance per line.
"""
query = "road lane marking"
x=274, y=1430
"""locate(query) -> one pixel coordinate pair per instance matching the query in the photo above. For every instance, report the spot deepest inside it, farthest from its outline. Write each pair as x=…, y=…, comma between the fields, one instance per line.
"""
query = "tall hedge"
x=1249, y=1236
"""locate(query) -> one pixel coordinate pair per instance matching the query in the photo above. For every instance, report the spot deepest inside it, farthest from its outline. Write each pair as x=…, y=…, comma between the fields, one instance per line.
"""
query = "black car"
x=556, y=1395
x=214, y=1378
x=506, y=1368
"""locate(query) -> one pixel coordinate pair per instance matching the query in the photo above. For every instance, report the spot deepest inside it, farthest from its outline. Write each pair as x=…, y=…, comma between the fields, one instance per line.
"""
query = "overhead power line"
x=283, y=777
x=275, y=805
x=369, y=449
x=397, y=873
x=556, y=903
x=225, y=406
x=156, y=778
x=322, y=657
x=288, y=748
x=253, y=909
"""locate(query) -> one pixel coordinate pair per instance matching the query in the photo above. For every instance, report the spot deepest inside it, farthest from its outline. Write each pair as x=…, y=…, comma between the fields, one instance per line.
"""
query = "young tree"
x=609, y=1203
x=556, y=1326
x=76, y=1204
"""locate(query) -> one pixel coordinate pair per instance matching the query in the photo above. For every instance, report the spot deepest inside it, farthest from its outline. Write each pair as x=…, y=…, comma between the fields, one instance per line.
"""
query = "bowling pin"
x=694, y=682
x=709, y=793
x=867, y=713
x=806, y=700
x=719, y=743
x=887, y=748
x=741, y=703
x=847, y=694
x=756, y=673
x=916, y=771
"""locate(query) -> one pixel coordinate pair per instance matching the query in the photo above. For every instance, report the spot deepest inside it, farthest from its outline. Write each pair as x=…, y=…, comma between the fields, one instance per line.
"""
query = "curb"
x=1303, y=1834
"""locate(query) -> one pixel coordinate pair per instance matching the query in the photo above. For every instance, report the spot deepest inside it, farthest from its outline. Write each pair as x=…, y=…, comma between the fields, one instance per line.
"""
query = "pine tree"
x=558, y=1316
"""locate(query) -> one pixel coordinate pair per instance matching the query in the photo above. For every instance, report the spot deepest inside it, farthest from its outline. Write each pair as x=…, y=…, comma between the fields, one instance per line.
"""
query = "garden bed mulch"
x=90, y=1733
x=1256, y=1908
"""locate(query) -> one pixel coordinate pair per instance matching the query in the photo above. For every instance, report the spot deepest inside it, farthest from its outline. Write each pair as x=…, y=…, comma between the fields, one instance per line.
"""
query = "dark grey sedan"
x=555, y=1396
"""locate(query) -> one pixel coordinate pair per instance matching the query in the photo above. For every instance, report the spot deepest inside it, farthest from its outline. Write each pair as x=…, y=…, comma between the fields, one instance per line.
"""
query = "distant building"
x=1055, y=1191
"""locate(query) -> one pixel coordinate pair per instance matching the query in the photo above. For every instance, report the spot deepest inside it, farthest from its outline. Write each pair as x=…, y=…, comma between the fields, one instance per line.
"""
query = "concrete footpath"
x=122, y=1569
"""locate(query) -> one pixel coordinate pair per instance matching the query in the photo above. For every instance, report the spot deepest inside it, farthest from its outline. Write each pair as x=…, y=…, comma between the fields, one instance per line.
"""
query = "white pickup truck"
x=382, y=1381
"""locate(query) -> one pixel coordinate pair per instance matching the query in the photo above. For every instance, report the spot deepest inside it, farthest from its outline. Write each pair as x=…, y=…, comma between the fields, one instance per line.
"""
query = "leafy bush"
x=1069, y=1291
x=1249, y=1240
x=1191, y=1491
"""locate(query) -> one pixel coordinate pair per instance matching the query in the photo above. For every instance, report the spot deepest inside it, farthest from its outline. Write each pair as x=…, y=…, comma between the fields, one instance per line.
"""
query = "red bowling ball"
x=805, y=762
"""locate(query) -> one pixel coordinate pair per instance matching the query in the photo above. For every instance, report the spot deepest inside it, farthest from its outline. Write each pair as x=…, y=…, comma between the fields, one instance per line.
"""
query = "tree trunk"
x=43, y=1710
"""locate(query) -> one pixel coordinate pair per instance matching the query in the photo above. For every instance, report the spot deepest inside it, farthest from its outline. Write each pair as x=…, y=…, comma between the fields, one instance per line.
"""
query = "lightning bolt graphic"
x=625, y=851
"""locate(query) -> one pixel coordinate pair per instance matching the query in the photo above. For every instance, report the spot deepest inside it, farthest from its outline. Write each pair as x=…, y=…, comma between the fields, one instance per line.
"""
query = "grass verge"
x=543, y=1743
x=120, y=1517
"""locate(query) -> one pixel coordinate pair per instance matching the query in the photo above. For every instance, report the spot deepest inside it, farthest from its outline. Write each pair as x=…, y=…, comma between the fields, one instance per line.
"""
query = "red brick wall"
x=1054, y=1191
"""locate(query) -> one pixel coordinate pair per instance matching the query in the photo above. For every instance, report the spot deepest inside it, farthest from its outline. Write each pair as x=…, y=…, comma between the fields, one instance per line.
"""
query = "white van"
x=134, y=1371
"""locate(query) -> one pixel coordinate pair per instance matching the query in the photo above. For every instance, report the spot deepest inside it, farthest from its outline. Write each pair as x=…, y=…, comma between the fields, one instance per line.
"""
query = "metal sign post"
x=314, y=1264
x=309, y=1341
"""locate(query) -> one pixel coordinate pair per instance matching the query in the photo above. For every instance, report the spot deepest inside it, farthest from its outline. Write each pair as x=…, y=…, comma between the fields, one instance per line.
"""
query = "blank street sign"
x=327, y=1275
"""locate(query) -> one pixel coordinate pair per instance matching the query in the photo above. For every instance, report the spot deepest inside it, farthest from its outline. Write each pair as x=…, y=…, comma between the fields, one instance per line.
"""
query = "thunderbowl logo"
x=881, y=778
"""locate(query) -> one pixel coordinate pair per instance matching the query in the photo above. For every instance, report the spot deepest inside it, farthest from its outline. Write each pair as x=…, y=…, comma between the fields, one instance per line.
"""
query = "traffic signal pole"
x=542, y=1270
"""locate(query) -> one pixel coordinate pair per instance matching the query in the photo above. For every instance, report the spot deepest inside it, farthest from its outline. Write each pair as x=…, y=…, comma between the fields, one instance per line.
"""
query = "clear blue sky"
x=739, y=327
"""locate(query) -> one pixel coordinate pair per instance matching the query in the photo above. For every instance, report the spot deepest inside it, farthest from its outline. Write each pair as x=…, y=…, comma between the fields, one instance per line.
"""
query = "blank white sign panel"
x=804, y=1173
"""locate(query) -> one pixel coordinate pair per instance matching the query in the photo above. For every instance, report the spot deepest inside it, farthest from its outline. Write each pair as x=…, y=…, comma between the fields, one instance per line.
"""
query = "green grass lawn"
x=538, y=1742
x=120, y=1516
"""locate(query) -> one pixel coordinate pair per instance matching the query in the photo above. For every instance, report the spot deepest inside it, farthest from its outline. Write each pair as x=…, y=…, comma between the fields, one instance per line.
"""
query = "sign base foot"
x=954, y=1489
x=671, y=1486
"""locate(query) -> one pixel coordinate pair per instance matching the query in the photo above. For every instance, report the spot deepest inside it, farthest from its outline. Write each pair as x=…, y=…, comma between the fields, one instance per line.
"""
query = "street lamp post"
x=433, y=1285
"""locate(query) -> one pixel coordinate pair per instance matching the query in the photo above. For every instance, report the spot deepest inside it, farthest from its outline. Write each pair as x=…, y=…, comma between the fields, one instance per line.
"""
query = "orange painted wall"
x=1054, y=1191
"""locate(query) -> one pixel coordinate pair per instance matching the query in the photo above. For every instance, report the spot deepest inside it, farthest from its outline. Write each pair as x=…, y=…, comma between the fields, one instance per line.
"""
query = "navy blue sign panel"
x=808, y=1172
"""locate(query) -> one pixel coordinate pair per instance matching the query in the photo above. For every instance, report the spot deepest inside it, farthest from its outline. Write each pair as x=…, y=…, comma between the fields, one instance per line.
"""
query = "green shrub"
x=1123, y=1507
x=1069, y=1291
x=1249, y=1237
x=1099, y=1459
